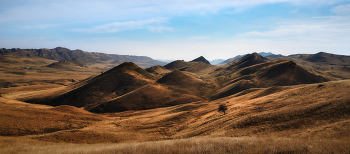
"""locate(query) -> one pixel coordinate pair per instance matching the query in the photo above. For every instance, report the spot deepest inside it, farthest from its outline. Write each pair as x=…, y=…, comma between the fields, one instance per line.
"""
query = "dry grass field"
x=313, y=117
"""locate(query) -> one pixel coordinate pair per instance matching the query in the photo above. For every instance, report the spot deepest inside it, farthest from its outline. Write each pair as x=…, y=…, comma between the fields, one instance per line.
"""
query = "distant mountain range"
x=60, y=54
x=217, y=61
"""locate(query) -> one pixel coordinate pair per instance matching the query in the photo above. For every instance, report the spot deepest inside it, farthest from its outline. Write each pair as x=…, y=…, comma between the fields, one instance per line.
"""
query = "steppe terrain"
x=274, y=105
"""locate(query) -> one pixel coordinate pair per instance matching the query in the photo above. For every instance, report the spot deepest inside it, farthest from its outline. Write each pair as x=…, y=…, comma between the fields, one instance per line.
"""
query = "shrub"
x=222, y=108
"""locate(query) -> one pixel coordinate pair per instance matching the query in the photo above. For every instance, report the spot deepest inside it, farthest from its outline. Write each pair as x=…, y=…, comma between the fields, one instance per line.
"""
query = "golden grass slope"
x=18, y=118
x=311, y=111
x=306, y=118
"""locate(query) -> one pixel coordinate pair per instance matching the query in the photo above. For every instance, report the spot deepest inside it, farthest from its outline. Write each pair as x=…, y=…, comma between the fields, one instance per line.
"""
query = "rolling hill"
x=115, y=82
x=263, y=75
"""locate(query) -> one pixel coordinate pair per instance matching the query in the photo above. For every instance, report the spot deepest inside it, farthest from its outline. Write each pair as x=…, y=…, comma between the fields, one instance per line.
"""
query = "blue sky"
x=178, y=29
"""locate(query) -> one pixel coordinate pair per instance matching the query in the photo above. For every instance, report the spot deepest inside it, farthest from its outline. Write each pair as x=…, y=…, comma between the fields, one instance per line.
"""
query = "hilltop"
x=201, y=59
x=195, y=65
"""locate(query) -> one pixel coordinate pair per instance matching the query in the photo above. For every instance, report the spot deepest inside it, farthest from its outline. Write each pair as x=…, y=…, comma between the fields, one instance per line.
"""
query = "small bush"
x=222, y=108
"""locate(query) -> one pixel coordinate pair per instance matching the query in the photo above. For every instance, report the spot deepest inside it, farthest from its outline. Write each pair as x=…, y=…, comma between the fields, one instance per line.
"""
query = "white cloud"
x=341, y=9
x=324, y=30
x=121, y=26
x=41, y=26
x=199, y=37
x=160, y=29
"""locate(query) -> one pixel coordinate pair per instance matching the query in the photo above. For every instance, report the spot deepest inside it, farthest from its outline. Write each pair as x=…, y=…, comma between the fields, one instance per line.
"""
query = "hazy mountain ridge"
x=60, y=53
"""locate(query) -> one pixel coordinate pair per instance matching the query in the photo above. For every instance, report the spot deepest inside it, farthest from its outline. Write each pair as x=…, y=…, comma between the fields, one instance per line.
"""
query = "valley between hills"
x=71, y=101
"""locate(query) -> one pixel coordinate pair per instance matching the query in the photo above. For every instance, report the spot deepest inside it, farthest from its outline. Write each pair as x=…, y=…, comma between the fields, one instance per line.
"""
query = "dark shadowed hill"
x=326, y=64
x=60, y=54
x=276, y=73
x=247, y=60
x=173, y=88
x=114, y=82
x=263, y=54
x=188, y=66
x=201, y=59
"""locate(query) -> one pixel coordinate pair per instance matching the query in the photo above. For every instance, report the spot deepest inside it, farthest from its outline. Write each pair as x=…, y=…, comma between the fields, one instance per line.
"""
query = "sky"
x=178, y=29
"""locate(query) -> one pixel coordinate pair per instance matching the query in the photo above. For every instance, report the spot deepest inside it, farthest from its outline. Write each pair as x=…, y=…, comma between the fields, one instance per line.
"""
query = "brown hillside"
x=196, y=67
x=147, y=97
x=319, y=62
x=115, y=82
x=19, y=118
x=314, y=111
x=330, y=66
x=328, y=58
x=158, y=70
x=180, y=81
x=276, y=73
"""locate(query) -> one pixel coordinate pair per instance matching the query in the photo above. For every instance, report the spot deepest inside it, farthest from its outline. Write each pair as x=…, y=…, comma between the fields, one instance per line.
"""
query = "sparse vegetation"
x=222, y=108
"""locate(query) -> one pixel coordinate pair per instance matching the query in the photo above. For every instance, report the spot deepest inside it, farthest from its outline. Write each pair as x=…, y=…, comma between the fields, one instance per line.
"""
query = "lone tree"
x=222, y=108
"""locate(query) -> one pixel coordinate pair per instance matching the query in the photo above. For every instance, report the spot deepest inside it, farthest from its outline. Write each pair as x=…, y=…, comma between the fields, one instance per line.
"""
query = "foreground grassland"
x=185, y=146
x=312, y=118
